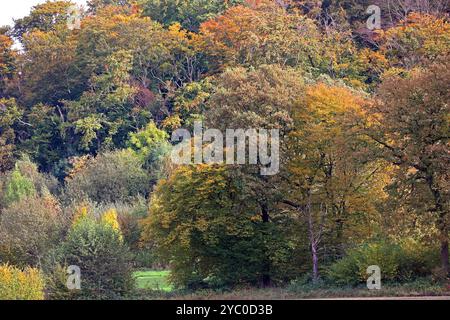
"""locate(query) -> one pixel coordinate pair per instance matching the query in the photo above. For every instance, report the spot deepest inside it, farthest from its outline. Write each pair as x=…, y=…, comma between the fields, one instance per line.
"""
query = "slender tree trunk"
x=315, y=262
x=312, y=242
x=266, y=281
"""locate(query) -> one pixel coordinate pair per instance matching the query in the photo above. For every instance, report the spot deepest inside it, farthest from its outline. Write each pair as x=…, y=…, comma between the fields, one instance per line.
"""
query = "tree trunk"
x=444, y=256
x=315, y=262
x=443, y=228
x=442, y=223
x=313, y=242
x=265, y=212
x=266, y=281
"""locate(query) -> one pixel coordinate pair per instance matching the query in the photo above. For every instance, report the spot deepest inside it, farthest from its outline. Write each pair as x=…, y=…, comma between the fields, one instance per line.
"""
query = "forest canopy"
x=87, y=114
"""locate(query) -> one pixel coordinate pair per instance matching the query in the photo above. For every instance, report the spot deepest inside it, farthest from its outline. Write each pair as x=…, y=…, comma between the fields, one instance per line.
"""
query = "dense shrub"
x=110, y=177
x=398, y=262
x=16, y=284
x=129, y=217
x=43, y=182
x=30, y=228
x=23, y=181
x=18, y=187
x=150, y=145
x=97, y=248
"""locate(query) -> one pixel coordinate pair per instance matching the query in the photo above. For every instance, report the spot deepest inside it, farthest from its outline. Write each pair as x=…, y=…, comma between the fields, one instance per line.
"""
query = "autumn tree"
x=47, y=73
x=333, y=182
x=163, y=59
x=410, y=121
x=29, y=229
x=265, y=33
x=256, y=99
x=418, y=40
x=205, y=222
x=394, y=11
x=7, y=62
x=43, y=17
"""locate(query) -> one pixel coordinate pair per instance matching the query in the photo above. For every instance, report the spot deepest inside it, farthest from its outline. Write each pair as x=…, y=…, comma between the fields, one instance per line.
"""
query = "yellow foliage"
x=172, y=122
x=16, y=284
x=419, y=37
x=80, y=214
x=78, y=164
x=110, y=218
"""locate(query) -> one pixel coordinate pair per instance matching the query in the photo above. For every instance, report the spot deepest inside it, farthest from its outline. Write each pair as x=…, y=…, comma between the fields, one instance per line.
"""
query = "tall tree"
x=256, y=99
x=47, y=70
x=7, y=63
x=43, y=17
x=410, y=121
x=10, y=116
x=104, y=115
x=332, y=182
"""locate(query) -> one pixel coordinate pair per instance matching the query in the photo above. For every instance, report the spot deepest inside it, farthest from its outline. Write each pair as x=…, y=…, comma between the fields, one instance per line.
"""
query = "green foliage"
x=17, y=284
x=43, y=17
x=10, y=114
x=104, y=260
x=98, y=4
x=205, y=223
x=398, y=262
x=102, y=116
x=110, y=177
x=151, y=146
x=189, y=13
x=29, y=229
x=18, y=187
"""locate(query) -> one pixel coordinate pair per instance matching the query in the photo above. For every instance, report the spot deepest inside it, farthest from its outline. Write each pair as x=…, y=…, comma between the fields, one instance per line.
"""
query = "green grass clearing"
x=152, y=280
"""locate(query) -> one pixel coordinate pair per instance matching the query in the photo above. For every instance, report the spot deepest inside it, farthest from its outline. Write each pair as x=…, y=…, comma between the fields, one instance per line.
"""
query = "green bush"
x=110, y=177
x=97, y=248
x=18, y=187
x=25, y=181
x=16, y=284
x=398, y=262
x=150, y=145
x=129, y=217
x=29, y=228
